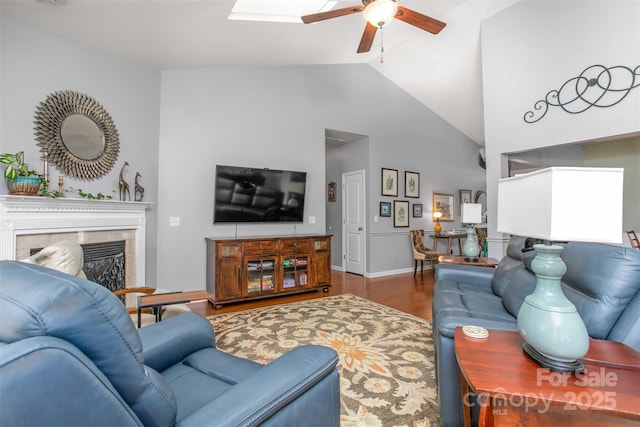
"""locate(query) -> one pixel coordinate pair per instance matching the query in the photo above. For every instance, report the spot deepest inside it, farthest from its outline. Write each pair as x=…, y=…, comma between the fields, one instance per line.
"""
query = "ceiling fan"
x=378, y=13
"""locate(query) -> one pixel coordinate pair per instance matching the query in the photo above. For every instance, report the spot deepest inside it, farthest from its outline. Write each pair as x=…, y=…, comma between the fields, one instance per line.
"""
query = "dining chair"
x=633, y=239
x=420, y=252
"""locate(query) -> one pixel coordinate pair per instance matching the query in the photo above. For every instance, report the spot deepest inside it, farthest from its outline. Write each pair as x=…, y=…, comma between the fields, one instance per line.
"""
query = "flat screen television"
x=245, y=194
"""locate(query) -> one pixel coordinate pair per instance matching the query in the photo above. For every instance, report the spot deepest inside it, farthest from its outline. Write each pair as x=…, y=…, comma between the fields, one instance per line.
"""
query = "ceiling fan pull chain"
x=381, y=46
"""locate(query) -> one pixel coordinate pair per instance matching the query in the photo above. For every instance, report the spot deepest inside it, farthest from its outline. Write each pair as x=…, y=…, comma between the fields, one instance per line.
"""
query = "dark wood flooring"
x=403, y=292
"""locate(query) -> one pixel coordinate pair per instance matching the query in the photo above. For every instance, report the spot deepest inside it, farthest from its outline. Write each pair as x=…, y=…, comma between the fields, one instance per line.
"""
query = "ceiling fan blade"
x=315, y=17
x=419, y=20
x=367, y=38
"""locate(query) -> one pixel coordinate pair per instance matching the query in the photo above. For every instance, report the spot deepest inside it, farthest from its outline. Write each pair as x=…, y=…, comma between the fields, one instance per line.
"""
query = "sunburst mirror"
x=77, y=135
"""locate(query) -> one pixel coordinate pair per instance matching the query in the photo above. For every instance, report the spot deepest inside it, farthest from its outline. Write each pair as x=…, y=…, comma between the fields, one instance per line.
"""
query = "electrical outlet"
x=174, y=221
x=312, y=219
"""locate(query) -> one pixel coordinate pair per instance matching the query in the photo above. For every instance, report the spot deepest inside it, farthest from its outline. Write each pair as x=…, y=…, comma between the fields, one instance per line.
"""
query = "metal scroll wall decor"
x=596, y=86
x=77, y=135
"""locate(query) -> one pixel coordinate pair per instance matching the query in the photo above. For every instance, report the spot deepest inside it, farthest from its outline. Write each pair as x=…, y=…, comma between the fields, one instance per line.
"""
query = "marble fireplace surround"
x=33, y=222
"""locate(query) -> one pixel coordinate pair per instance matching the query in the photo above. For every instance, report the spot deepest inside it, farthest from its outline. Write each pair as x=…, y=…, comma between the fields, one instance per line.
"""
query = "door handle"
x=359, y=228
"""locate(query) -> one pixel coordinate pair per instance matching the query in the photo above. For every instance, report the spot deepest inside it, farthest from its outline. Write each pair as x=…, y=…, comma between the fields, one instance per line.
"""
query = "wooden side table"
x=481, y=261
x=449, y=238
x=513, y=390
x=156, y=301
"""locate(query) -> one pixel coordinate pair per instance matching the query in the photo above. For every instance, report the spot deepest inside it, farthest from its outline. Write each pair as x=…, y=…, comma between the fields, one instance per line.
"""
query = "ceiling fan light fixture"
x=380, y=12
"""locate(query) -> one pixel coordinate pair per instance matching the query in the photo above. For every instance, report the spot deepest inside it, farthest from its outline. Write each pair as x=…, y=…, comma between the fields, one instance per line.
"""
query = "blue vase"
x=471, y=248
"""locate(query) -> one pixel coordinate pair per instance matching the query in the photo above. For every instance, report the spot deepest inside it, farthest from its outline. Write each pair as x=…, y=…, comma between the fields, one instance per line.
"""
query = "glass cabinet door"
x=260, y=275
x=295, y=272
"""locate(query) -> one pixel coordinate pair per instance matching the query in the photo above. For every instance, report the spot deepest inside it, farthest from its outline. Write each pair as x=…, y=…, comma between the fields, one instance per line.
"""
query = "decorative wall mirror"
x=77, y=135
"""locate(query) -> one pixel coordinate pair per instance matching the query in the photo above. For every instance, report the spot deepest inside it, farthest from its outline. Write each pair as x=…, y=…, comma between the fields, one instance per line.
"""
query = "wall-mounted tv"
x=245, y=194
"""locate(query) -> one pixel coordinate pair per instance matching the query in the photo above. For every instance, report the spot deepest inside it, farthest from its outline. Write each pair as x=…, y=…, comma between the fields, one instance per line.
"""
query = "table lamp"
x=471, y=215
x=558, y=204
x=437, y=227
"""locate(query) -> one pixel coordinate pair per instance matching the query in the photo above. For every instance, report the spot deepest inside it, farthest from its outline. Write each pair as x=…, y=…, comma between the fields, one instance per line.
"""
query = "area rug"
x=386, y=356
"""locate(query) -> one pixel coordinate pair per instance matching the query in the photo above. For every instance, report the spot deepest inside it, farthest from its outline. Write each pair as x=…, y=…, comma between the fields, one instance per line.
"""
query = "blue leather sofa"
x=70, y=356
x=602, y=281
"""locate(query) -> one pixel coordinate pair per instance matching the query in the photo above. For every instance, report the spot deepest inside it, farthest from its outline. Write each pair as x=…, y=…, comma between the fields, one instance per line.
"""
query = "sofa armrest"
x=273, y=387
x=168, y=342
x=447, y=326
x=467, y=273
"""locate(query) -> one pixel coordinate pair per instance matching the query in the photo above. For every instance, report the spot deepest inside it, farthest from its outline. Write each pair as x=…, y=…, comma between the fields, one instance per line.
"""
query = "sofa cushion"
x=523, y=283
x=601, y=280
x=508, y=265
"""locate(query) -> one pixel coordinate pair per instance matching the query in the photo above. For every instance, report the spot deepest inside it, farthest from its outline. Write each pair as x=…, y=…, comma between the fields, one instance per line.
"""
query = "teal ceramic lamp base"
x=471, y=249
x=555, y=335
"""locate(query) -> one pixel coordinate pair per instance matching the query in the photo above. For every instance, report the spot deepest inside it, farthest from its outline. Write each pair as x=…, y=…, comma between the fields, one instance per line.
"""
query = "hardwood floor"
x=413, y=295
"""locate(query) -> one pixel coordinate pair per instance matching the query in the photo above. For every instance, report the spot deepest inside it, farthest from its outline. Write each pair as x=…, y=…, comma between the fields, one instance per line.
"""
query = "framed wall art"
x=331, y=191
x=385, y=209
x=417, y=210
x=465, y=197
x=390, y=182
x=444, y=203
x=412, y=184
x=400, y=213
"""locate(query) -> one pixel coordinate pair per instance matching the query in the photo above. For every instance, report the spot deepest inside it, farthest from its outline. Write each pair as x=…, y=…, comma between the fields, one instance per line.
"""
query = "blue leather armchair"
x=602, y=281
x=70, y=355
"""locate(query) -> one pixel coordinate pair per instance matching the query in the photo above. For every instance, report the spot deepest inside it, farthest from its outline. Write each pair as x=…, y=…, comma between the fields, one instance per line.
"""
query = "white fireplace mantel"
x=20, y=215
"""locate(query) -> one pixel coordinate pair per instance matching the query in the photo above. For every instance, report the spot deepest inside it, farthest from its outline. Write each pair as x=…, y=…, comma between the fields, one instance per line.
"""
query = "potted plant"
x=20, y=179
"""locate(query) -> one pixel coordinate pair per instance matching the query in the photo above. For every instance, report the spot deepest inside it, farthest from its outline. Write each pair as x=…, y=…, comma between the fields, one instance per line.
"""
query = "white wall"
x=35, y=63
x=536, y=46
x=276, y=117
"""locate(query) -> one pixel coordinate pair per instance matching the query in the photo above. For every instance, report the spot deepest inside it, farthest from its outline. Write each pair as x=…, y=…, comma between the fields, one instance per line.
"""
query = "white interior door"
x=353, y=219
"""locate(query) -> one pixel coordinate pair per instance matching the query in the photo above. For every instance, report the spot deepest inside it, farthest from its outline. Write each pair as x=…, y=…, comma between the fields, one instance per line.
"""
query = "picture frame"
x=401, y=213
x=444, y=203
x=331, y=191
x=385, y=209
x=465, y=197
x=412, y=184
x=389, y=182
x=417, y=210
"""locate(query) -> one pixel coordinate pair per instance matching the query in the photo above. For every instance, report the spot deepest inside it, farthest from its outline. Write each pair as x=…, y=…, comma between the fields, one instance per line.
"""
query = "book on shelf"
x=267, y=283
x=302, y=278
x=289, y=282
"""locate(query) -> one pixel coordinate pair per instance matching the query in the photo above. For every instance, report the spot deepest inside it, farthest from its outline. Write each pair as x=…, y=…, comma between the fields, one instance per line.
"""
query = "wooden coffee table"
x=514, y=390
x=481, y=261
x=157, y=301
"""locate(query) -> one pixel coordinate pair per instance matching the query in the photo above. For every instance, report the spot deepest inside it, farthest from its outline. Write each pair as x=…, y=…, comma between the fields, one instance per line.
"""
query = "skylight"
x=277, y=10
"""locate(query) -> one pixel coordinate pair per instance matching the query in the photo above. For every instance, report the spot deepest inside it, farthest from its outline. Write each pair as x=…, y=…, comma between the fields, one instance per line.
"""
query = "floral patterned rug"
x=386, y=356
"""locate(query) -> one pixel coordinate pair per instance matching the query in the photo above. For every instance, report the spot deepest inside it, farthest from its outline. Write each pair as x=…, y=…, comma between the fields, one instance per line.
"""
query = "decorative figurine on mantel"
x=139, y=189
x=124, y=187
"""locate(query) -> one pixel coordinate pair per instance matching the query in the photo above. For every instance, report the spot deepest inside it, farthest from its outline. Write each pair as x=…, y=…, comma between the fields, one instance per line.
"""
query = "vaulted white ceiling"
x=443, y=71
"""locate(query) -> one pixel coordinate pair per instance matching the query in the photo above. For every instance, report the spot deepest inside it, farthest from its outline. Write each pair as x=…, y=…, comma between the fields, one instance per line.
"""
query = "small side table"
x=482, y=261
x=449, y=237
x=156, y=301
x=514, y=390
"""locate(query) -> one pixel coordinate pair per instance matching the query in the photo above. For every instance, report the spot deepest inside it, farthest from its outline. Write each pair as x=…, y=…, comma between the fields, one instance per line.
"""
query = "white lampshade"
x=471, y=213
x=380, y=12
x=563, y=204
